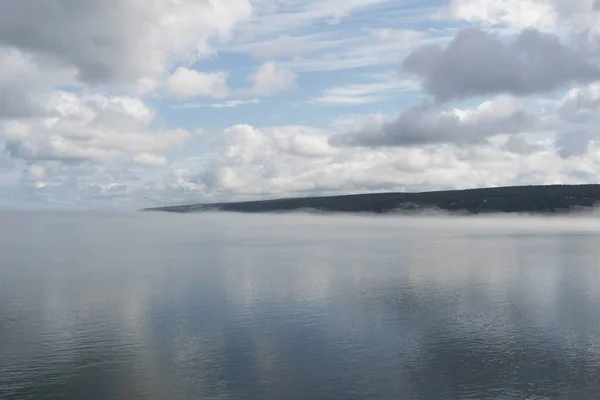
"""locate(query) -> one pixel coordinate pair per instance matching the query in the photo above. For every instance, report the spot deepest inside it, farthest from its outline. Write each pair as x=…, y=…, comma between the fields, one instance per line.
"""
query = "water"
x=209, y=306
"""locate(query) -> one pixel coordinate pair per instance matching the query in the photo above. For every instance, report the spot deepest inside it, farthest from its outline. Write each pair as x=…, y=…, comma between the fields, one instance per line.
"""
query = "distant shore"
x=551, y=199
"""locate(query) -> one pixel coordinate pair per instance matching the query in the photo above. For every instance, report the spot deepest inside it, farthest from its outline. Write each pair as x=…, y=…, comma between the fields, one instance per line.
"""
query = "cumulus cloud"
x=37, y=172
x=271, y=78
x=574, y=142
x=94, y=36
x=581, y=104
x=251, y=162
x=86, y=185
x=149, y=159
x=24, y=87
x=478, y=63
x=303, y=145
x=261, y=161
x=578, y=111
x=122, y=41
x=89, y=127
x=427, y=124
x=184, y=83
x=518, y=144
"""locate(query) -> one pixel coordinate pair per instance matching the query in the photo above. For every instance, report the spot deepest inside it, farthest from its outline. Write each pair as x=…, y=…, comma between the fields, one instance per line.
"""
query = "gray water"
x=227, y=306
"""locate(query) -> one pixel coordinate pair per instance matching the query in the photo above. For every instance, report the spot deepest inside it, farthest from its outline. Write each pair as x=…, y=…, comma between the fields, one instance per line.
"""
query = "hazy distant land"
x=550, y=199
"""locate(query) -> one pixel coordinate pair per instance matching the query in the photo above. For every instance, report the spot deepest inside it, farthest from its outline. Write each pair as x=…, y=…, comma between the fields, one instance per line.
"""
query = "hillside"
x=529, y=199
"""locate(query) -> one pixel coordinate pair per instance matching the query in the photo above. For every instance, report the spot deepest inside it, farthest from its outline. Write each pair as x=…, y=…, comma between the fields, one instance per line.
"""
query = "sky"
x=133, y=103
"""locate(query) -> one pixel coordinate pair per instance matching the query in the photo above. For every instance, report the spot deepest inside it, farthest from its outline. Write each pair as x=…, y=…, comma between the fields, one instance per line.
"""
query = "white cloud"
x=274, y=17
x=149, y=159
x=291, y=160
x=519, y=144
x=547, y=15
x=37, y=172
x=24, y=86
x=122, y=42
x=185, y=83
x=297, y=33
x=514, y=13
x=578, y=110
x=247, y=162
x=301, y=141
x=225, y=104
x=581, y=104
x=89, y=127
x=271, y=78
x=375, y=48
x=363, y=93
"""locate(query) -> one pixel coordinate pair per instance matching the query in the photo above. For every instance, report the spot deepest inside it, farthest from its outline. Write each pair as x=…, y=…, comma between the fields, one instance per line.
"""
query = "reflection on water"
x=158, y=306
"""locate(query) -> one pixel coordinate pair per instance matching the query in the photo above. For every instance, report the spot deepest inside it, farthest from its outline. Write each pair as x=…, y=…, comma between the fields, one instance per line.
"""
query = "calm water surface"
x=209, y=306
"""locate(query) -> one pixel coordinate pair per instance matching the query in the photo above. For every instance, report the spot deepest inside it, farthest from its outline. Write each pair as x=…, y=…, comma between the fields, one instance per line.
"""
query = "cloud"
x=118, y=42
x=60, y=185
x=282, y=46
x=574, y=143
x=426, y=124
x=520, y=145
x=271, y=78
x=549, y=15
x=302, y=142
x=37, y=172
x=364, y=93
x=250, y=163
x=579, y=114
x=225, y=104
x=24, y=87
x=185, y=83
x=273, y=17
x=580, y=104
x=302, y=36
x=89, y=128
x=149, y=159
x=514, y=13
x=478, y=63
x=372, y=49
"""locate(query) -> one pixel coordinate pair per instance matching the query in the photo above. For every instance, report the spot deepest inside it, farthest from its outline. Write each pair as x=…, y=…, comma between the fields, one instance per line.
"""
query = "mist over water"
x=296, y=306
